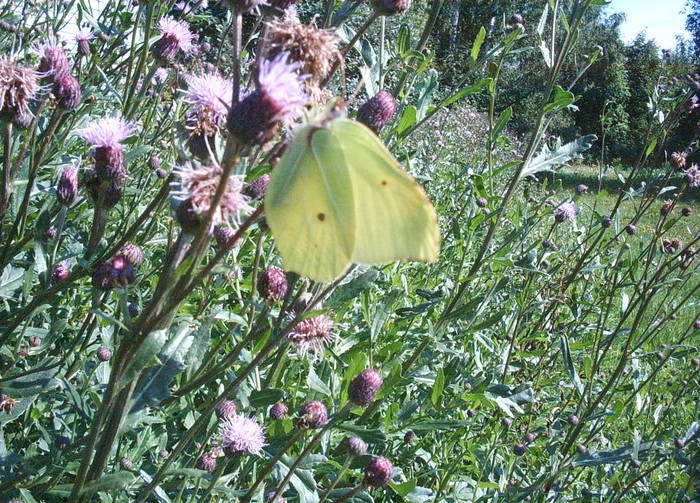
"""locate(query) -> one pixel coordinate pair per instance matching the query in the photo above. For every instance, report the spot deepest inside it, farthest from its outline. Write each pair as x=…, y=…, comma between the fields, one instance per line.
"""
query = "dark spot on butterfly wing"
x=384, y=182
x=321, y=216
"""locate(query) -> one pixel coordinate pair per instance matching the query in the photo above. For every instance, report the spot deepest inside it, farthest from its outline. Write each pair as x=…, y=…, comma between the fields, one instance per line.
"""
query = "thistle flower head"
x=376, y=112
x=272, y=284
x=83, y=39
x=67, y=92
x=107, y=132
x=389, y=7
x=132, y=253
x=312, y=334
x=61, y=272
x=565, y=212
x=198, y=186
x=175, y=36
x=67, y=189
x=279, y=96
x=206, y=462
x=692, y=176
x=209, y=96
x=54, y=61
x=355, y=446
x=225, y=409
x=161, y=75
x=312, y=48
x=364, y=387
x=312, y=415
x=257, y=188
x=678, y=160
x=378, y=472
x=18, y=85
x=240, y=434
x=279, y=411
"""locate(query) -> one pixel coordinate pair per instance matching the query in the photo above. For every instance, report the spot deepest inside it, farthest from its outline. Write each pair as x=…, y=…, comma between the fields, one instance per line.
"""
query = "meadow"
x=178, y=323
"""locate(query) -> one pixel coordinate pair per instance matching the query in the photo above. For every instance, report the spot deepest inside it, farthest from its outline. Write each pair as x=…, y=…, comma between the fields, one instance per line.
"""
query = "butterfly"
x=337, y=196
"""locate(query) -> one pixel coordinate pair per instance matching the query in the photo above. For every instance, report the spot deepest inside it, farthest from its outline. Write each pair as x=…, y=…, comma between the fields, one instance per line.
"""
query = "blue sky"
x=661, y=19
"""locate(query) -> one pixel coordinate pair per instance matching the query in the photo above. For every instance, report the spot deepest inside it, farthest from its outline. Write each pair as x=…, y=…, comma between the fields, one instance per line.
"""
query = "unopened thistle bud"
x=390, y=7
x=256, y=189
x=225, y=409
x=67, y=190
x=687, y=211
x=34, y=341
x=126, y=464
x=378, y=472
x=206, y=462
x=376, y=112
x=61, y=272
x=133, y=310
x=104, y=354
x=224, y=235
x=272, y=284
x=666, y=208
x=364, y=387
x=312, y=415
x=519, y=449
x=66, y=90
x=606, y=222
x=154, y=162
x=355, y=446
x=133, y=253
x=581, y=188
x=278, y=411
x=631, y=229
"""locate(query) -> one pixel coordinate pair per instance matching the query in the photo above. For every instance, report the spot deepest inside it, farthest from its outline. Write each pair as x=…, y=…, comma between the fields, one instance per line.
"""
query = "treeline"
x=614, y=92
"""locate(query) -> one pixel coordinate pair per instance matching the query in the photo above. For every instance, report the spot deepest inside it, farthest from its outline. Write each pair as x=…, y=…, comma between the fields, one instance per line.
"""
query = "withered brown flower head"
x=313, y=48
x=17, y=86
x=7, y=403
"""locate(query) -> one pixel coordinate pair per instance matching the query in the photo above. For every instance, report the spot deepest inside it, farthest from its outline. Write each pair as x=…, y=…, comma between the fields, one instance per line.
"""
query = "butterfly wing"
x=395, y=219
x=309, y=207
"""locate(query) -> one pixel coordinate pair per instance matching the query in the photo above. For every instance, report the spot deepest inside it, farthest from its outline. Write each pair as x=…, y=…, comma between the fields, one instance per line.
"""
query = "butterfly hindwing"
x=309, y=206
x=395, y=219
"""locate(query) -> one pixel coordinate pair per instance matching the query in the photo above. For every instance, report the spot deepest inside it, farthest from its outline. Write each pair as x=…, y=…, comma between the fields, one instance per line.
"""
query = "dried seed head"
x=18, y=85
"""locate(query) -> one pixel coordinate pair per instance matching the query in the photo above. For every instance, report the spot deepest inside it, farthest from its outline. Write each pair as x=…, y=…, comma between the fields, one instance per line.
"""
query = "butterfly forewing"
x=309, y=208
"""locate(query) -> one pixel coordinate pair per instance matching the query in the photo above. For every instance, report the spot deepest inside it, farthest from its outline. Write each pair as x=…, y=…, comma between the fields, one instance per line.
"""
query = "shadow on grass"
x=612, y=184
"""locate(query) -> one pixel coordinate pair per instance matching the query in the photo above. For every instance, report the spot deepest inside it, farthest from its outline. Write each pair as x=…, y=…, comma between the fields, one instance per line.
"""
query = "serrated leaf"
x=548, y=159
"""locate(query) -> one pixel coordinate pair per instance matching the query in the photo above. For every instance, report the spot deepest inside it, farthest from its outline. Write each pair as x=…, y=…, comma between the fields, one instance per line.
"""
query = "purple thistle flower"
x=378, y=472
x=174, y=36
x=241, y=434
x=67, y=189
x=107, y=132
x=376, y=112
x=364, y=387
x=54, y=61
x=67, y=91
x=565, y=212
x=312, y=415
x=692, y=176
x=279, y=96
x=224, y=235
x=198, y=187
x=161, y=75
x=272, y=284
x=83, y=39
x=312, y=334
x=209, y=96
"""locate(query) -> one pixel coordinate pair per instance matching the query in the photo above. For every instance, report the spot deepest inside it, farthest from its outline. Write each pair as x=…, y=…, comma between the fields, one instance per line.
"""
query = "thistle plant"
x=154, y=345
